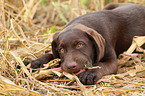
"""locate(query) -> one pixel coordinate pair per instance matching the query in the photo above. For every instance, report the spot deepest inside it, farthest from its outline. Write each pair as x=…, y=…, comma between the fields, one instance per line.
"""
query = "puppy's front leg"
x=108, y=66
x=37, y=63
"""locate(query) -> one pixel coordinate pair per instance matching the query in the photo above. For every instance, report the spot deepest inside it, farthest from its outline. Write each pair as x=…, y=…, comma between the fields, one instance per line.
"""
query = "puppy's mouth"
x=82, y=70
x=60, y=70
x=86, y=66
x=77, y=70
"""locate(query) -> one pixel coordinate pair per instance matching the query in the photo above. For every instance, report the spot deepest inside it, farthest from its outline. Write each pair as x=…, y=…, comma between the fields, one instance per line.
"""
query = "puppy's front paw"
x=34, y=64
x=89, y=77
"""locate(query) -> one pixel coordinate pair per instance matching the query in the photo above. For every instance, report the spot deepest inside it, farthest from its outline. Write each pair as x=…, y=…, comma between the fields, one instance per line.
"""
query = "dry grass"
x=26, y=29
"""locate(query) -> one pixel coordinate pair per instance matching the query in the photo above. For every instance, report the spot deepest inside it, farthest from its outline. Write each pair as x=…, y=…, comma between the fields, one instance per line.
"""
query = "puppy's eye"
x=61, y=50
x=80, y=45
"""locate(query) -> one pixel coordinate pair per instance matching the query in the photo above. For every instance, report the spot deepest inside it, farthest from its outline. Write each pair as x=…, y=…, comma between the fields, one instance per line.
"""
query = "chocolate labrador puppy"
x=96, y=39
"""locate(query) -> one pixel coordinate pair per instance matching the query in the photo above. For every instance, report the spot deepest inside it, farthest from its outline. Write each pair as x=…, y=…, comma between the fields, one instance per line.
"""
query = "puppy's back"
x=112, y=6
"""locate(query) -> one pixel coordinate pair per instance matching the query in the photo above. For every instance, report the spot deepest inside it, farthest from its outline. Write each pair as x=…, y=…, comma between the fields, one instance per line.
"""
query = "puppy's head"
x=76, y=46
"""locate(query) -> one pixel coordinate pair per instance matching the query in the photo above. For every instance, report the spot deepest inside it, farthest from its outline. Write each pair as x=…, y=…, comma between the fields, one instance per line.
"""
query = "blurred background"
x=26, y=29
x=48, y=13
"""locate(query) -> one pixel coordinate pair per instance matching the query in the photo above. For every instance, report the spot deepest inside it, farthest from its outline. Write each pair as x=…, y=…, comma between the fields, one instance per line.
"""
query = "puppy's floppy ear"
x=99, y=42
x=54, y=45
x=96, y=37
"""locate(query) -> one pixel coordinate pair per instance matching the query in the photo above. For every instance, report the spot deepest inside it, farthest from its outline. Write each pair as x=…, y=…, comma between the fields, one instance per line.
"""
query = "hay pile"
x=26, y=29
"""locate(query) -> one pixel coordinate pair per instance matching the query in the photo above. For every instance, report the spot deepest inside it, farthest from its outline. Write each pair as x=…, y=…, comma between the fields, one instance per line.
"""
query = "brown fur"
x=96, y=38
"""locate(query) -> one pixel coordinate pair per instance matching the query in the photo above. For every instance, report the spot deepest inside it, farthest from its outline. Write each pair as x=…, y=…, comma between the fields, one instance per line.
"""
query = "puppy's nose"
x=72, y=67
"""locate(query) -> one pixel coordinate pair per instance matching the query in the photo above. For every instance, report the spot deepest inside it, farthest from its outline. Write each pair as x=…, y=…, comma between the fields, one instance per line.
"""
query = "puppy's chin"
x=76, y=73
